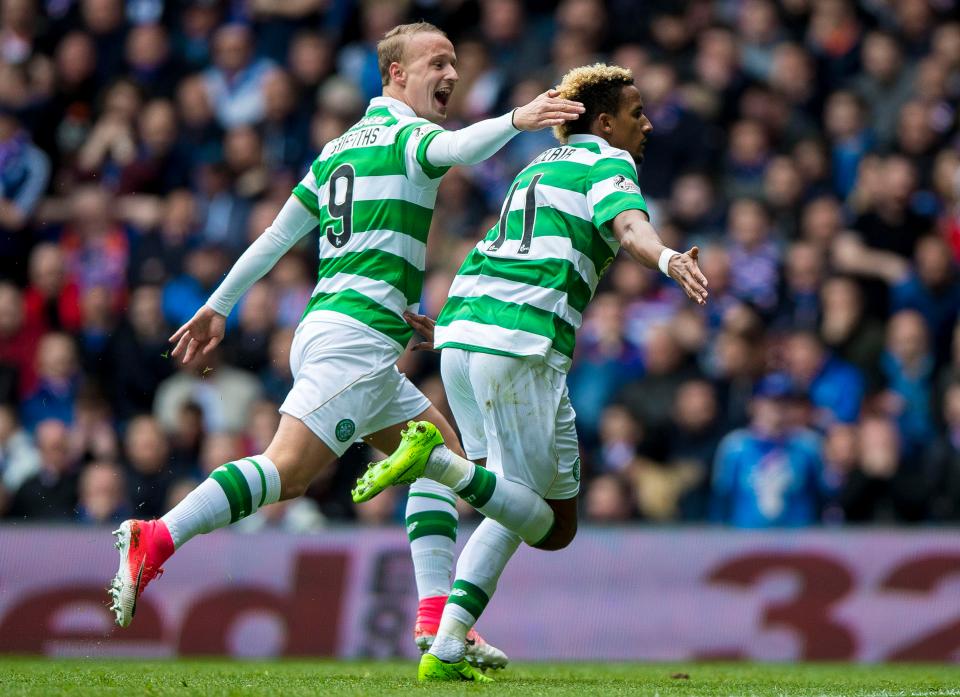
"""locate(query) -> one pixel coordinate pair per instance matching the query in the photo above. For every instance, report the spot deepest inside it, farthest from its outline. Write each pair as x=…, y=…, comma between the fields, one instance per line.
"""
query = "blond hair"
x=391, y=47
x=598, y=87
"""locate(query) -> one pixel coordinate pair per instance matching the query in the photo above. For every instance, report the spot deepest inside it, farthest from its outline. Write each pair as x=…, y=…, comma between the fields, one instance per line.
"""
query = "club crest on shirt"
x=624, y=184
x=345, y=430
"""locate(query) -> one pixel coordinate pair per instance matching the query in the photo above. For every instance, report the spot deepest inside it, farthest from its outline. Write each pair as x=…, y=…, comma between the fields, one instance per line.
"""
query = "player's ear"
x=605, y=122
x=398, y=74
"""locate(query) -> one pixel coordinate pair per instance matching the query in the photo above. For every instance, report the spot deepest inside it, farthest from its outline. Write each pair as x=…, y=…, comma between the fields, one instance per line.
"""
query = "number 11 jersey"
x=521, y=291
x=373, y=192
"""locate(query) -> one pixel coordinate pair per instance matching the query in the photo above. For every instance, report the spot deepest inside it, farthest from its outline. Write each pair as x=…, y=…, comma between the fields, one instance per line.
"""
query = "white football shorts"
x=346, y=384
x=516, y=413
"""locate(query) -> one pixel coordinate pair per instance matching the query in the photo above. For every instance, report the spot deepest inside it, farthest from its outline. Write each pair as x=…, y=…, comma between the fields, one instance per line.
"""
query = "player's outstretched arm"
x=545, y=111
x=476, y=143
x=641, y=241
x=205, y=329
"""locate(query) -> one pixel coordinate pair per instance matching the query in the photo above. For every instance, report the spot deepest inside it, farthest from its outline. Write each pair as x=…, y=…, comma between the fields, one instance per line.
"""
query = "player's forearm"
x=472, y=144
x=638, y=238
x=292, y=223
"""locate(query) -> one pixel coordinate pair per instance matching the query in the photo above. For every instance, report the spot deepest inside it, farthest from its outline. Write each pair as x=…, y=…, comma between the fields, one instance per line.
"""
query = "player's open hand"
x=423, y=325
x=200, y=335
x=546, y=110
x=684, y=270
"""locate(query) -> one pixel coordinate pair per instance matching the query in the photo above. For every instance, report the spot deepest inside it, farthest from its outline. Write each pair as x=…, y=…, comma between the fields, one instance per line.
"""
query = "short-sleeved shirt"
x=373, y=192
x=522, y=290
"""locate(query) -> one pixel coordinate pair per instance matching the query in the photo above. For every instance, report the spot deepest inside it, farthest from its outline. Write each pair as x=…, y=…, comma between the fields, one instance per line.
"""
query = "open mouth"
x=442, y=95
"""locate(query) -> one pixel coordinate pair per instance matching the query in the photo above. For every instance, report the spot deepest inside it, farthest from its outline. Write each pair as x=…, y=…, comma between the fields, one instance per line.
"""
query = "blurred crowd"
x=810, y=149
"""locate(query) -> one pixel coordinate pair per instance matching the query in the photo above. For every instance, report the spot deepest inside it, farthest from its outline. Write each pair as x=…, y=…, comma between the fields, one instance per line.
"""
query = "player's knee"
x=562, y=535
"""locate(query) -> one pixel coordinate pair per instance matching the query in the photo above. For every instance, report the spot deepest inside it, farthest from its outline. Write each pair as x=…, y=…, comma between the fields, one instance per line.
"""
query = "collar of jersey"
x=584, y=138
x=392, y=104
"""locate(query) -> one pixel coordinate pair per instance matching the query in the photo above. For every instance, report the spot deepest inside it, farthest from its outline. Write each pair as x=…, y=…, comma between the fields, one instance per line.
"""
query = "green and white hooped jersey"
x=523, y=289
x=373, y=192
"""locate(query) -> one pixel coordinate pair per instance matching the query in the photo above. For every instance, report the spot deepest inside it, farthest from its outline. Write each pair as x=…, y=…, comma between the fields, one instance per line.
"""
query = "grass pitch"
x=30, y=676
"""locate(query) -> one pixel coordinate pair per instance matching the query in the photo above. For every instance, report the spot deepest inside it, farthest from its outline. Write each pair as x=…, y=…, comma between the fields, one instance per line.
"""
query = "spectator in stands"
x=851, y=139
x=619, y=439
x=102, y=494
x=942, y=461
x=748, y=156
x=149, y=59
x=224, y=393
x=692, y=444
x=58, y=379
x=24, y=173
x=650, y=399
x=187, y=438
x=276, y=378
x=249, y=347
x=883, y=488
x=908, y=368
x=92, y=433
x=834, y=386
x=768, y=475
x=51, y=494
x=19, y=459
x=138, y=355
x=204, y=267
x=157, y=167
x=800, y=298
x=18, y=347
x=235, y=80
x=605, y=360
x=200, y=136
x=885, y=84
x=848, y=332
x=754, y=258
x=608, y=500
x=147, y=458
x=51, y=301
x=284, y=128
x=95, y=246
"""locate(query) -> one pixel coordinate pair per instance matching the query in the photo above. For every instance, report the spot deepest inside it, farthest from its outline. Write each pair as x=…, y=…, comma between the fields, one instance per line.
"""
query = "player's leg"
x=512, y=404
x=431, y=520
x=233, y=491
x=328, y=382
x=544, y=457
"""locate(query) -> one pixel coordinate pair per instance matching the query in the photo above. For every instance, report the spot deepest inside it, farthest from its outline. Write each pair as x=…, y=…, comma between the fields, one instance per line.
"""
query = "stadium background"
x=810, y=147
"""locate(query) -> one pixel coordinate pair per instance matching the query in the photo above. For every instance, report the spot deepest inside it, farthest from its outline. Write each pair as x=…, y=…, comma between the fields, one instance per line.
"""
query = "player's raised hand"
x=546, y=110
x=424, y=326
x=200, y=335
x=684, y=270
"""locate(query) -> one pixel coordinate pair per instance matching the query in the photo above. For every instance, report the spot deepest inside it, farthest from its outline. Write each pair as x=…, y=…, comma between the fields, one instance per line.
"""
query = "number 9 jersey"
x=522, y=290
x=373, y=192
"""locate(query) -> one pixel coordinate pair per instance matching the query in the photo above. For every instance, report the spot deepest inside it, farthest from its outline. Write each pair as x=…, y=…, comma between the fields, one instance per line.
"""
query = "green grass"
x=30, y=676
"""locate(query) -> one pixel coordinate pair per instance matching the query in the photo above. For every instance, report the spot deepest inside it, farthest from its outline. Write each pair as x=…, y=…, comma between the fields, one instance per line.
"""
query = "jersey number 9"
x=340, y=204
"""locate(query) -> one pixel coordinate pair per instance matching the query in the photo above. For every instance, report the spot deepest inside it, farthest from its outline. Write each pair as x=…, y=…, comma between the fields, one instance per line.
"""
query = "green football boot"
x=405, y=465
x=432, y=669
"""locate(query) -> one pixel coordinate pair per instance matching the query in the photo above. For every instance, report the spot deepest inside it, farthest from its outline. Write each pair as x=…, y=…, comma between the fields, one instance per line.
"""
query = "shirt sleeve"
x=612, y=188
x=307, y=191
x=472, y=144
x=293, y=222
x=414, y=139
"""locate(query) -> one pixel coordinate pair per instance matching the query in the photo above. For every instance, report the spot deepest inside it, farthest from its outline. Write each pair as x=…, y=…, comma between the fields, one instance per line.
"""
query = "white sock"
x=519, y=508
x=231, y=492
x=431, y=519
x=481, y=563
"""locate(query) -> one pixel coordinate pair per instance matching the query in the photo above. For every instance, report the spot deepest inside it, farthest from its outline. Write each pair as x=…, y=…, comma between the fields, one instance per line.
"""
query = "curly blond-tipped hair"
x=598, y=88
